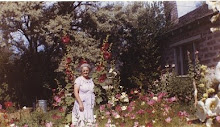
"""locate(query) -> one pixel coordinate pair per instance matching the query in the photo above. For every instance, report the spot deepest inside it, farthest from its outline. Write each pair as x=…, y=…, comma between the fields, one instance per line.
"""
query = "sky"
x=184, y=7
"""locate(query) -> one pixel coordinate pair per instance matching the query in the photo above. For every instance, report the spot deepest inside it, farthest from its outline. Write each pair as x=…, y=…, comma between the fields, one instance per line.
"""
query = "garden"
x=43, y=44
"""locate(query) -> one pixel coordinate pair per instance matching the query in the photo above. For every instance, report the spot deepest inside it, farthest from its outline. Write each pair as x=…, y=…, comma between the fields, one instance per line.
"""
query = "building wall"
x=208, y=45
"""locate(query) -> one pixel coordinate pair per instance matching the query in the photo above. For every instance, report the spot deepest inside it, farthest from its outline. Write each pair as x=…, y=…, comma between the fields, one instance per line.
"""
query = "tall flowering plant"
x=103, y=73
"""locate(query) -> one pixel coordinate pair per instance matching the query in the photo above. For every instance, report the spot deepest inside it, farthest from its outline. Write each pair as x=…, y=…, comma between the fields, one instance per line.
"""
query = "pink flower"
x=118, y=96
x=132, y=104
x=102, y=107
x=8, y=104
x=149, y=124
x=161, y=95
x=55, y=116
x=61, y=109
x=136, y=124
x=151, y=102
x=132, y=116
x=172, y=99
x=218, y=119
x=168, y=120
x=182, y=114
x=0, y=106
x=127, y=115
x=130, y=108
x=141, y=111
x=50, y=124
x=118, y=108
x=167, y=108
x=107, y=113
x=151, y=94
x=25, y=125
x=57, y=99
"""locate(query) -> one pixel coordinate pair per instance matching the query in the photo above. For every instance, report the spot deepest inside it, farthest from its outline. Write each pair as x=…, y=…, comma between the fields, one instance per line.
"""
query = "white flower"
x=218, y=87
x=142, y=103
x=155, y=98
x=12, y=125
x=173, y=65
x=166, y=66
x=123, y=108
x=212, y=106
x=115, y=73
x=107, y=87
x=112, y=125
x=153, y=121
x=214, y=29
x=126, y=99
x=24, y=107
x=217, y=71
x=209, y=122
x=111, y=70
x=113, y=100
x=136, y=91
x=201, y=111
x=66, y=126
x=117, y=116
x=123, y=95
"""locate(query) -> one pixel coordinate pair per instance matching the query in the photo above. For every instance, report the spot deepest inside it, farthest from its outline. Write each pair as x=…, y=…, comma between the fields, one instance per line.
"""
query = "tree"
x=35, y=31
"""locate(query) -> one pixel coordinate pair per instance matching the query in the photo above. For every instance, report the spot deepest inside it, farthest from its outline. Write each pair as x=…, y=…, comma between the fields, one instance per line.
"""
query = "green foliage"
x=178, y=86
x=4, y=93
x=142, y=58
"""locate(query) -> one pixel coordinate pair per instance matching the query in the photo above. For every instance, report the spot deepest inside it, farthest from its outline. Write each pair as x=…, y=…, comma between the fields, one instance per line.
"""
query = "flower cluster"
x=215, y=6
x=208, y=108
x=139, y=109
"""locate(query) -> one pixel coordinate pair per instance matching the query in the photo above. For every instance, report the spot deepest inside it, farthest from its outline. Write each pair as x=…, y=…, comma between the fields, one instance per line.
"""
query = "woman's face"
x=85, y=72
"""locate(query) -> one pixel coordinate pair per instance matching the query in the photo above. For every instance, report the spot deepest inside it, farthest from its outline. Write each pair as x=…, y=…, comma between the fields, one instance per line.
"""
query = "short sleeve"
x=77, y=81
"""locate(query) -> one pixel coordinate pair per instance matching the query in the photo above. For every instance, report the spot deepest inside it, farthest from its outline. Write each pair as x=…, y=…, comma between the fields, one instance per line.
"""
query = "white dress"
x=86, y=89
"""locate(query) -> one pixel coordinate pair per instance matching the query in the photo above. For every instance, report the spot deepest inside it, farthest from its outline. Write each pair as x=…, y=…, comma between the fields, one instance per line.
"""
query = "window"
x=181, y=57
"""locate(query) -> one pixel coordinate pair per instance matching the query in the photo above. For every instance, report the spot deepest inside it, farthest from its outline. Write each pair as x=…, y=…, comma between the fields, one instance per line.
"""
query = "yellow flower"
x=205, y=95
x=211, y=90
x=202, y=74
x=201, y=85
x=203, y=99
x=203, y=67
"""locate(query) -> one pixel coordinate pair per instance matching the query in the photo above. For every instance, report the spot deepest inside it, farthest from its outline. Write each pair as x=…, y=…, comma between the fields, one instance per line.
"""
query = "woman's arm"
x=76, y=93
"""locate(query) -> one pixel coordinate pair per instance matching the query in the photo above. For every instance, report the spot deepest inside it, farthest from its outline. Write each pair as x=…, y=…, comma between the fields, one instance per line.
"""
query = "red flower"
x=99, y=68
x=102, y=78
x=61, y=109
x=105, y=46
x=68, y=72
x=82, y=62
x=68, y=60
x=8, y=104
x=107, y=55
x=55, y=116
x=149, y=124
x=66, y=39
x=70, y=78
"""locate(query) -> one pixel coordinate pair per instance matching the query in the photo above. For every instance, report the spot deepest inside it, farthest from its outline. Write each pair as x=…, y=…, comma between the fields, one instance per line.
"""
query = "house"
x=191, y=32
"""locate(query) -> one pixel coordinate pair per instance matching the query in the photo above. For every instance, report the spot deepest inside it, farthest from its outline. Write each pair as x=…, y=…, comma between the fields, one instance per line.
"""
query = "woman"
x=82, y=114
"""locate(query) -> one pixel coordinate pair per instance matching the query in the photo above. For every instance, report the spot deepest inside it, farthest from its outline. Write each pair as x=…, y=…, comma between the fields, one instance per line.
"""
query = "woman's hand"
x=81, y=107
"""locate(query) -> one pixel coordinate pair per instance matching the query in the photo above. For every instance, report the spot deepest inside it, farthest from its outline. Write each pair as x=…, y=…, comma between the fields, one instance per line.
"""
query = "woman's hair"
x=85, y=65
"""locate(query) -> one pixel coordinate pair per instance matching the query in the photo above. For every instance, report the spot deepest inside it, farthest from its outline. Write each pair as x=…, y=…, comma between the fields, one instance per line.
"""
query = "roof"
x=192, y=16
